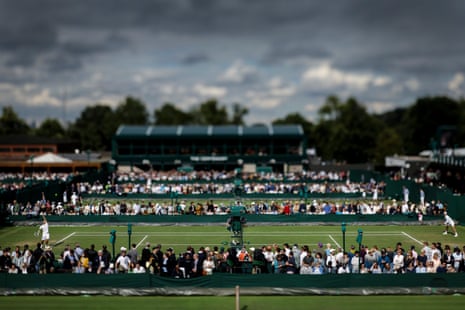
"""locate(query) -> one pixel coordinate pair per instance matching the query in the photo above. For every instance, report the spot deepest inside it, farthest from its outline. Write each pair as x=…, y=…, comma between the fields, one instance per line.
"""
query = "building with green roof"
x=210, y=147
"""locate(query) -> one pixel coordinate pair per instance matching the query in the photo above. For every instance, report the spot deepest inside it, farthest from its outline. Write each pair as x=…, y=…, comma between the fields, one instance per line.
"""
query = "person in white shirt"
x=138, y=268
x=398, y=262
x=449, y=222
x=45, y=232
x=123, y=262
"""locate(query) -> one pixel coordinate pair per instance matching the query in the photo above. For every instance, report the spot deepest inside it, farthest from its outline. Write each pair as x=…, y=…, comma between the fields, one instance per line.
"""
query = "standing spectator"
x=448, y=257
x=355, y=262
x=398, y=262
x=428, y=251
x=422, y=197
x=165, y=265
x=47, y=261
x=133, y=255
x=78, y=250
x=405, y=192
x=210, y=207
x=16, y=256
x=83, y=263
x=290, y=264
x=145, y=255
x=331, y=264
x=208, y=265
x=106, y=254
x=436, y=261
x=384, y=259
x=369, y=258
x=5, y=260
x=36, y=256
x=103, y=263
x=92, y=255
x=186, y=264
x=70, y=261
x=306, y=262
x=458, y=259
x=269, y=257
x=154, y=263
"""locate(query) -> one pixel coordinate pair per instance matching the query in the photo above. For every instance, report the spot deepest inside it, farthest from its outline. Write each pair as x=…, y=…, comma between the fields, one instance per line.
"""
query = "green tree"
x=346, y=132
x=209, y=113
x=51, y=128
x=392, y=118
x=94, y=128
x=168, y=114
x=356, y=135
x=461, y=125
x=131, y=112
x=330, y=109
x=325, y=130
x=298, y=119
x=11, y=124
x=238, y=114
x=388, y=143
x=422, y=120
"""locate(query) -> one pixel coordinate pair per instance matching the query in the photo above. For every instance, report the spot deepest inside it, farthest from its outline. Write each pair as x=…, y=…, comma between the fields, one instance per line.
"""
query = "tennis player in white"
x=45, y=232
x=449, y=222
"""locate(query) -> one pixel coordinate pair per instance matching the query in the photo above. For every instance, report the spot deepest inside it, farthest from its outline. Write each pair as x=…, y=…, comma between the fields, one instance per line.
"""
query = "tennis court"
x=180, y=236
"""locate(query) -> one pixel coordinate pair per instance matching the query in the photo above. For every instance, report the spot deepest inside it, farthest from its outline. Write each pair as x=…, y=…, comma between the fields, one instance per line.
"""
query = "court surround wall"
x=224, y=284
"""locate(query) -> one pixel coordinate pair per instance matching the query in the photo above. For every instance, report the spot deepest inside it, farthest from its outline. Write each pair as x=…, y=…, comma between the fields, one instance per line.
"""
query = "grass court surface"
x=245, y=303
x=181, y=236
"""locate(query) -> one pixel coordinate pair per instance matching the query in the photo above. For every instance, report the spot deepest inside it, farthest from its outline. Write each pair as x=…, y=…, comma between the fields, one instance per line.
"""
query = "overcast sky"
x=274, y=57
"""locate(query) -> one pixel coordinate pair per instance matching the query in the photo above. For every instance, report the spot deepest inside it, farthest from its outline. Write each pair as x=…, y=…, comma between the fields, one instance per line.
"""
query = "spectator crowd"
x=204, y=261
x=295, y=259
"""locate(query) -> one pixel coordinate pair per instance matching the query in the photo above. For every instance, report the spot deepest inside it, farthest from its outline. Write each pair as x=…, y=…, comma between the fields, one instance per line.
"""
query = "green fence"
x=53, y=190
x=193, y=219
x=281, y=283
x=454, y=203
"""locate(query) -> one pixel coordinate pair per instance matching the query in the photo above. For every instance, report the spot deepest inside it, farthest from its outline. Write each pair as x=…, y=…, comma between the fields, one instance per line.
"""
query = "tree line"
x=344, y=131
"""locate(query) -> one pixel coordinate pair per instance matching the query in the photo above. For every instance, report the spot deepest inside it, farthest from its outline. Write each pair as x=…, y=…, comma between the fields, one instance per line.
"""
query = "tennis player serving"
x=45, y=232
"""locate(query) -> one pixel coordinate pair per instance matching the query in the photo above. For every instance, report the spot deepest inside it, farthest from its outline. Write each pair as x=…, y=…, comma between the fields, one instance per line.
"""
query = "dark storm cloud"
x=236, y=45
x=21, y=42
x=400, y=27
x=420, y=37
x=194, y=59
x=279, y=52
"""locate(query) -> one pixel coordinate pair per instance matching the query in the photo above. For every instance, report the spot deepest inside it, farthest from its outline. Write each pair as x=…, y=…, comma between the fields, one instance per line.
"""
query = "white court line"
x=334, y=240
x=141, y=241
x=416, y=240
x=68, y=236
x=200, y=234
x=296, y=233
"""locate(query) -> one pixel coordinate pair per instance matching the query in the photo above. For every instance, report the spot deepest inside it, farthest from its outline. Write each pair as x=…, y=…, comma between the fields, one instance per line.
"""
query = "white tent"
x=49, y=158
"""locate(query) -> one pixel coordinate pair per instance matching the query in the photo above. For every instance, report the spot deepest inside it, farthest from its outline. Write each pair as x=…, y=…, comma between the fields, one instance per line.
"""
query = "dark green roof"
x=219, y=130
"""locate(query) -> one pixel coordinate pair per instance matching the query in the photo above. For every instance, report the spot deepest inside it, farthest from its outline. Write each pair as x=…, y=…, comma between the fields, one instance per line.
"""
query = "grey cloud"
x=54, y=39
x=58, y=62
x=280, y=52
x=194, y=59
x=22, y=43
